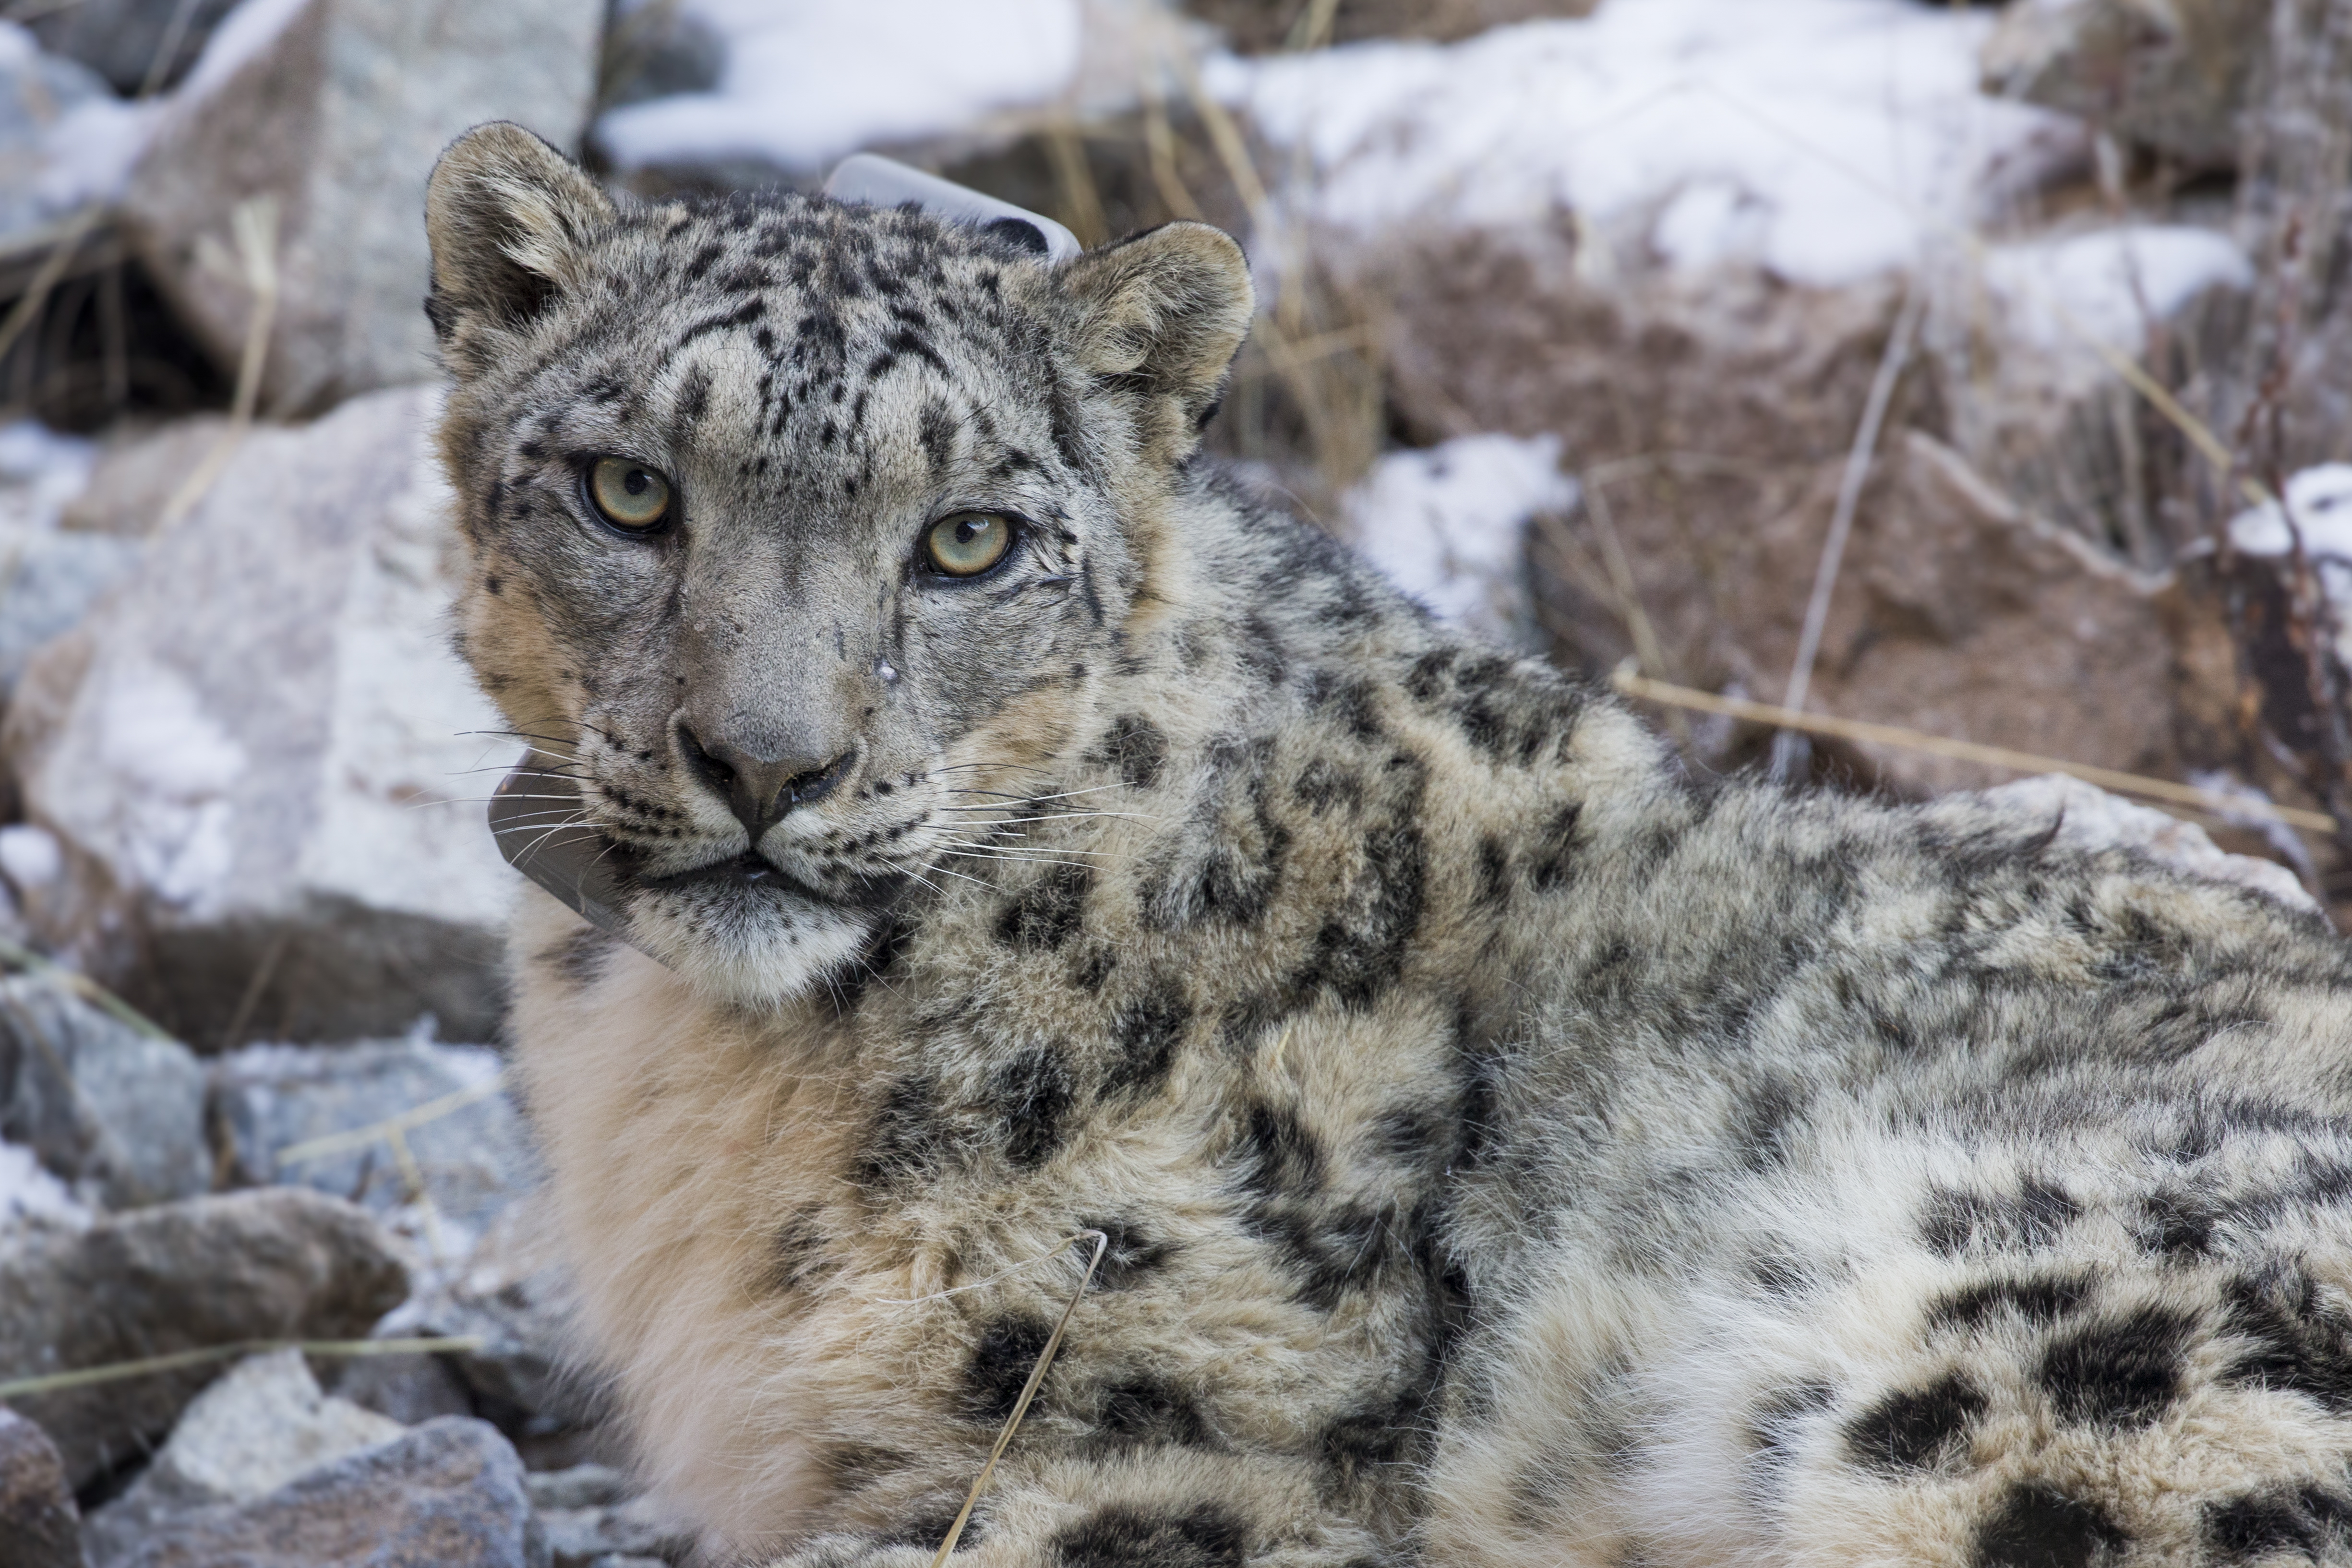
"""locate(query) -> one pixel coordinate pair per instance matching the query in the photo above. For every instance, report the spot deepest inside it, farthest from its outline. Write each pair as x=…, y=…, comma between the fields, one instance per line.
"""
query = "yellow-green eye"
x=629, y=494
x=968, y=543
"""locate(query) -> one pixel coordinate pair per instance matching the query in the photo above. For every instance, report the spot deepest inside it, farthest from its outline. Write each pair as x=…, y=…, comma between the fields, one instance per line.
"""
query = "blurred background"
x=1975, y=378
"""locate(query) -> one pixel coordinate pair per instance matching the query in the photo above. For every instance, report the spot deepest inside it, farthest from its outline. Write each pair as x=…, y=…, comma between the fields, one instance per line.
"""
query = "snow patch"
x=1448, y=526
x=31, y=1197
x=176, y=764
x=30, y=857
x=2110, y=286
x=1825, y=145
x=808, y=81
x=2320, y=502
x=41, y=472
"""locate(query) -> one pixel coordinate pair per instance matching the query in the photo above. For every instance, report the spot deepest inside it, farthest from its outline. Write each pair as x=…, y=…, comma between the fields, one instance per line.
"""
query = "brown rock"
x=2170, y=75
x=39, y=1526
x=1711, y=415
x=277, y=1263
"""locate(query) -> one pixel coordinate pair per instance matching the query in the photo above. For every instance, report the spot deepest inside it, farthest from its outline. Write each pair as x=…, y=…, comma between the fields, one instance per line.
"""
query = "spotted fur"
x=1511, y=1149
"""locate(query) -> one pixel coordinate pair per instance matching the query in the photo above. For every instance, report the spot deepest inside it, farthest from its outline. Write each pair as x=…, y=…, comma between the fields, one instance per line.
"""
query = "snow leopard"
x=1491, y=1142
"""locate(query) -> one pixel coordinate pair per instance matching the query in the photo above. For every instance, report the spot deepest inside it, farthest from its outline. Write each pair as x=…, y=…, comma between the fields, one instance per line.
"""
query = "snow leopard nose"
x=761, y=791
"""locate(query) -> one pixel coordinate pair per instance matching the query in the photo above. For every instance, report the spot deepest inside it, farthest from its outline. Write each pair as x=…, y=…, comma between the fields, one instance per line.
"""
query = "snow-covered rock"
x=336, y=109
x=1449, y=525
x=34, y=1203
x=2090, y=818
x=255, y=756
x=1825, y=146
x=806, y=81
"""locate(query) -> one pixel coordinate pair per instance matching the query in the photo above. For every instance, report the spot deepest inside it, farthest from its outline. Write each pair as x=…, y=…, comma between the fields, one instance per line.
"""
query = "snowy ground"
x=807, y=81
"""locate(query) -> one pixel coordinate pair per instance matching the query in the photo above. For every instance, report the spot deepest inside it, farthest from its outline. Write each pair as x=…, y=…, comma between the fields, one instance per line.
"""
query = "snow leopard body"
x=1507, y=1147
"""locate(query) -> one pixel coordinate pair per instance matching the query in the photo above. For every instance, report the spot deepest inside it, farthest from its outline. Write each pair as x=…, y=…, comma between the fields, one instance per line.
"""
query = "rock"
x=338, y=114
x=39, y=1526
x=262, y=1425
x=449, y=1493
x=2089, y=818
x=578, y=1537
x=2170, y=75
x=134, y=479
x=410, y=1389
x=656, y=50
x=117, y=1113
x=1959, y=615
x=252, y=754
x=138, y=46
x=582, y=1486
x=474, y=1160
x=281, y=1263
x=516, y=1296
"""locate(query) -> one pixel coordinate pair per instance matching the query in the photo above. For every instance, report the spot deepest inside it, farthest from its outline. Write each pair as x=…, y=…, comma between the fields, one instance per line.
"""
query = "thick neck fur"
x=1229, y=915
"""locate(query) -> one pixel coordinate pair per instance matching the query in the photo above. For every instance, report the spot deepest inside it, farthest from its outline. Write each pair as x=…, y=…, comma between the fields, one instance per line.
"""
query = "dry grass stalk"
x=2001, y=757
x=255, y=227
x=1028, y=1391
x=114, y=1371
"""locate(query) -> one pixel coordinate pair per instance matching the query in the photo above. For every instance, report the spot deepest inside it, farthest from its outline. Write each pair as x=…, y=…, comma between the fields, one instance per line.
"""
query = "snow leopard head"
x=796, y=529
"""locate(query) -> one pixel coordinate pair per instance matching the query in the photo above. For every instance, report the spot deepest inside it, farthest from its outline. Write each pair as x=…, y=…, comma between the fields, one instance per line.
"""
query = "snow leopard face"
x=798, y=532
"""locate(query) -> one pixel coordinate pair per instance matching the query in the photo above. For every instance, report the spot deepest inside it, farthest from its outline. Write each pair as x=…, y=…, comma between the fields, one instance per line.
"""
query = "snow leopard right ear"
x=509, y=218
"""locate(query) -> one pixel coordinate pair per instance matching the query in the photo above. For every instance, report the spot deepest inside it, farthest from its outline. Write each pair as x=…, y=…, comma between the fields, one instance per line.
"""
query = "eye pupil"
x=637, y=483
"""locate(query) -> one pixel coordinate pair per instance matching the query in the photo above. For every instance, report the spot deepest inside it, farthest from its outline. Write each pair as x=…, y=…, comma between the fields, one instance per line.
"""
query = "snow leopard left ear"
x=1163, y=313
x=509, y=218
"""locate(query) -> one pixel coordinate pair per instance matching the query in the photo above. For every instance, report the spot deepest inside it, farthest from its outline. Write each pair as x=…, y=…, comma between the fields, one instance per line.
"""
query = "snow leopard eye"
x=628, y=495
x=968, y=543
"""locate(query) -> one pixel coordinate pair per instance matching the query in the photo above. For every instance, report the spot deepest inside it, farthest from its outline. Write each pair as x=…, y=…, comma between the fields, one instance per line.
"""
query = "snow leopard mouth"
x=539, y=821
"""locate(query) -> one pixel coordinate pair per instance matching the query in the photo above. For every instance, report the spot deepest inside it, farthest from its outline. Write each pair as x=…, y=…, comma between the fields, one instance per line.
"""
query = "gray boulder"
x=261, y=1425
x=339, y=116
x=118, y=1113
x=473, y=1158
x=39, y=1526
x=449, y=1493
x=410, y=1389
x=254, y=754
x=283, y=1263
